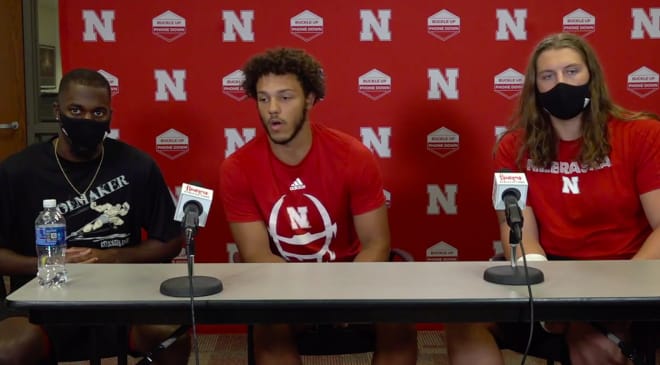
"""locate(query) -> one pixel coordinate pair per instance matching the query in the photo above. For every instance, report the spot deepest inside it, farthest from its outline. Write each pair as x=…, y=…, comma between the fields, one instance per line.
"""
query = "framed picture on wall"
x=46, y=67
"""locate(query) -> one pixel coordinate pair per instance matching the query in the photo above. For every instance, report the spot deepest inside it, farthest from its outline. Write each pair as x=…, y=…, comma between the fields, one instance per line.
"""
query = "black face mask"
x=85, y=134
x=565, y=101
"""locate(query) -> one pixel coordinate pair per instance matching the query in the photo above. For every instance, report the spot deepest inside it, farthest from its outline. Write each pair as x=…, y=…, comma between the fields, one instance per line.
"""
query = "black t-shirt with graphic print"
x=128, y=194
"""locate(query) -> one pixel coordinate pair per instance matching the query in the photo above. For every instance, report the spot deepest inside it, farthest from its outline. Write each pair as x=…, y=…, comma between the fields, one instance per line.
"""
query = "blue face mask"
x=565, y=101
x=85, y=134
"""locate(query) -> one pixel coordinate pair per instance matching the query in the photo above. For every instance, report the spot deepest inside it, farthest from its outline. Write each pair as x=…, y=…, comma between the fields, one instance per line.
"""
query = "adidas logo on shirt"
x=297, y=184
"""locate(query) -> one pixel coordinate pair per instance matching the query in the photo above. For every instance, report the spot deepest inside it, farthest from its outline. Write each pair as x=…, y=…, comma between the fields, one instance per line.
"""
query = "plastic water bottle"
x=50, y=233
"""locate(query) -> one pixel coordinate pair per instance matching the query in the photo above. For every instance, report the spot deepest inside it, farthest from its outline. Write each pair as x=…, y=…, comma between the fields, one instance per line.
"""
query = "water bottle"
x=50, y=233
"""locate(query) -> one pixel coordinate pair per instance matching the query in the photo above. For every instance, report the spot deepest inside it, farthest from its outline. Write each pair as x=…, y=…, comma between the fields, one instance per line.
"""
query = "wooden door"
x=13, y=135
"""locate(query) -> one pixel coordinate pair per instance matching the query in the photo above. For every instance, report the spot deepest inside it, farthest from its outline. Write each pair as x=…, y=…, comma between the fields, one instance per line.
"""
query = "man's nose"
x=273, y=106
x=560, y=77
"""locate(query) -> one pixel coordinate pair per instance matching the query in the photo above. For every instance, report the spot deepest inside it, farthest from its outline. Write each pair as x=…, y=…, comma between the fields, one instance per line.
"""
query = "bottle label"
x=50, y=236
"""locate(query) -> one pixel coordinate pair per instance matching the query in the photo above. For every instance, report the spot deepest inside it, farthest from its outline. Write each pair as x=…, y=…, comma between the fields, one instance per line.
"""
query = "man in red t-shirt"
x=305, y=192
x=594, y=194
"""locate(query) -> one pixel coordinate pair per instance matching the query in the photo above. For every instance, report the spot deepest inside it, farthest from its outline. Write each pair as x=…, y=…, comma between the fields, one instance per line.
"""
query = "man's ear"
x=56, y=110
x=310, y=100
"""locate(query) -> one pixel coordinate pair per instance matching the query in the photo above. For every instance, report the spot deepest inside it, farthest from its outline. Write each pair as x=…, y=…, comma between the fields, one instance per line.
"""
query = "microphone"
x=510, y=196
x=192, y=210
x=193, y=205
x=513, y=212
x=510, y=184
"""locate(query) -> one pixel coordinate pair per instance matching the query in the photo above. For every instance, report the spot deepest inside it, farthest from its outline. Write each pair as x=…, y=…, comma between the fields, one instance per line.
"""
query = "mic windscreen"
x=515, y=193
x=193, y=206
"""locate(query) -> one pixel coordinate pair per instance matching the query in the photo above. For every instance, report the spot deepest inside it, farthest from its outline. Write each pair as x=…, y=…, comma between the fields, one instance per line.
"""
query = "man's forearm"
x=12, y=263
x=650, y=250
x=147, y=251
x=373, y=253
x=264, y=257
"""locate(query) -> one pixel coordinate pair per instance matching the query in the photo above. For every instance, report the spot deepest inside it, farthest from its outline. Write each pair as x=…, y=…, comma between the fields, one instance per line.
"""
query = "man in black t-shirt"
x=109, y=193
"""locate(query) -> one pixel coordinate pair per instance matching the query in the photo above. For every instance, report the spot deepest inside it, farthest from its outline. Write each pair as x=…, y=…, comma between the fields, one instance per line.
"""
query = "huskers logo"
x=302, y=231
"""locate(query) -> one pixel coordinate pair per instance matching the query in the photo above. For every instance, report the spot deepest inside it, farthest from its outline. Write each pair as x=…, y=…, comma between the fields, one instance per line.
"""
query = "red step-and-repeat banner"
x=426, y=85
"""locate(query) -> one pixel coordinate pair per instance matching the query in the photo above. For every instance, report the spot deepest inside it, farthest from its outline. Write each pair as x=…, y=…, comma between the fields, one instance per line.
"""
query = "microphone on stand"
x=192, y=210
x=510, y=195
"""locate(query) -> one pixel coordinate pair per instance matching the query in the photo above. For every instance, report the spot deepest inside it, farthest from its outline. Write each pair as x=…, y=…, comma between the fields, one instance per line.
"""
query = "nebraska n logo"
x=300, y=240
x=506, y=23
x=645, y=23
x=238, y=27
x=95, y=26
x=445, y=82
x=375, y=25
x=174, y=86
x=570, y=185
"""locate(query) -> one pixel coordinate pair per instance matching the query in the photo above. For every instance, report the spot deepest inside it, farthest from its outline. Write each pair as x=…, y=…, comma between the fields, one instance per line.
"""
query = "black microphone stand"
x=512, y=274
x=191, y=285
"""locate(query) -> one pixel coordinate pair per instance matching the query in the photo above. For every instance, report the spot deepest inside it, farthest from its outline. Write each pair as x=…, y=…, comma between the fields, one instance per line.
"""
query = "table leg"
x=94, y=356
x=122, y=342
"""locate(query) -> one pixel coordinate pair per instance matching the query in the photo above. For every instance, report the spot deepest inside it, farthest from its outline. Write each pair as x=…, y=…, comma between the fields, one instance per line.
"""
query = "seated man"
x=305, y=192
x=594, y=193
x=84, y=172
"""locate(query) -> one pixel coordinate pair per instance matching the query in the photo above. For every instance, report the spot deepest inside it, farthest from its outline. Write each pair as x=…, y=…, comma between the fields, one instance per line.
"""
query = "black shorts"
x=72, y=343
x=514, y=336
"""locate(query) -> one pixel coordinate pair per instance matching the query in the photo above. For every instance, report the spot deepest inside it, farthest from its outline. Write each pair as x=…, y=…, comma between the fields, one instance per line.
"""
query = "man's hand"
x=589, y=346
x=90, y=255
x=79, y=255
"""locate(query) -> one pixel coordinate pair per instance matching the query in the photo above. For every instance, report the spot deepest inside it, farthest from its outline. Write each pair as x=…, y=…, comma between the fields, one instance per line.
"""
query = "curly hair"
x=540, y=141
x=282, y=61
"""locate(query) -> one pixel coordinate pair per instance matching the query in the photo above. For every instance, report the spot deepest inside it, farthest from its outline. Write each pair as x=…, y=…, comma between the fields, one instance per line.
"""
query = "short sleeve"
x=506, y=152
x=159, y=221
x=237, y=198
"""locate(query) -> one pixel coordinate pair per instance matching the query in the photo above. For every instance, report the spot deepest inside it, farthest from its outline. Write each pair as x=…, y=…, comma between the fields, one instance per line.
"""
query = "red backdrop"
x=424, y=84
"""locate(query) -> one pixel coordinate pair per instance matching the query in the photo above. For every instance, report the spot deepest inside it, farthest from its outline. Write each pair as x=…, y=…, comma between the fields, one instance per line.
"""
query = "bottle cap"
x=49, y=203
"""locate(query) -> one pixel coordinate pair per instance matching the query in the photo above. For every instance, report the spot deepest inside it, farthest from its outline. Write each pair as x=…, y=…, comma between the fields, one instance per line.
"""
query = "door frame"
x=31, y=59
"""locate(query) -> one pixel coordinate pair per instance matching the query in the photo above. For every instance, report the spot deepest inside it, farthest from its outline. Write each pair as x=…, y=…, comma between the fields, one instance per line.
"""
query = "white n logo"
x=175, y=87
x=94, y=25
x=571, y=185
x=236, y=140
x=650, y=23
x=298, y=217
x=438, y=198
x=371, y=25
x=380, y=144
x=446, y=82
x=506, y=24
x=233, y=25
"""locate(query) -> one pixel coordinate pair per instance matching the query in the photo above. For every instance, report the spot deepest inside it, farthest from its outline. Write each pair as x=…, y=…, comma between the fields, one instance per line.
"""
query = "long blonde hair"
x=540, y=140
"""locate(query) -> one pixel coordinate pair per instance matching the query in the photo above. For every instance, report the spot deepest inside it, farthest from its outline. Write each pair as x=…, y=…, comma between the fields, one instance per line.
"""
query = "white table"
x=310, y=292
x=102, y=294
